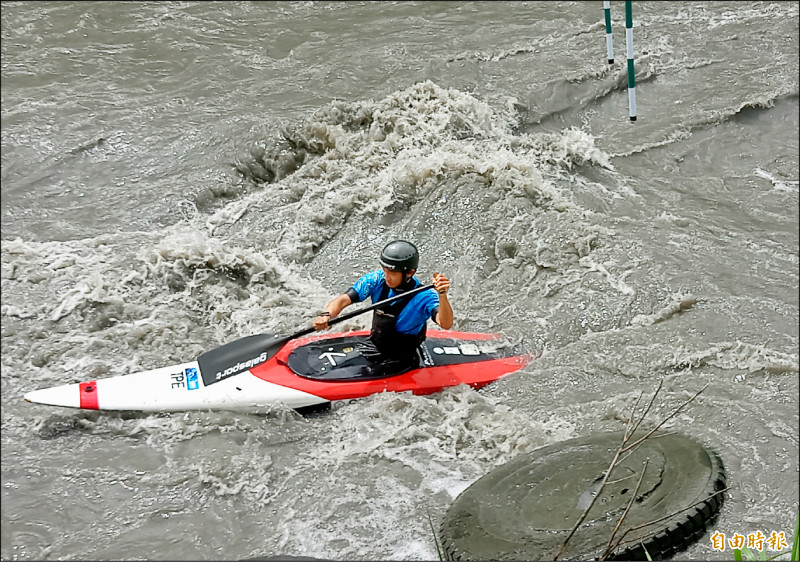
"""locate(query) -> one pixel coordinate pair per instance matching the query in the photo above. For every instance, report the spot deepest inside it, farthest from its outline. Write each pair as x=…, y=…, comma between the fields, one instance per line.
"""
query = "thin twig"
x=643, y=525
x=625, y=436
x=625, y=513
x=618, y=480
x=669, y=417
x=631, y=451
x=646, y=410
x=628, y=430
x=594, y=499
x=625, y=448
x=433, y=532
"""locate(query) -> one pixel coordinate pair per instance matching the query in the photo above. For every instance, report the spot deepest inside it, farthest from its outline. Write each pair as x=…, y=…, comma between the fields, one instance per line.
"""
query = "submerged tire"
x=525, y=509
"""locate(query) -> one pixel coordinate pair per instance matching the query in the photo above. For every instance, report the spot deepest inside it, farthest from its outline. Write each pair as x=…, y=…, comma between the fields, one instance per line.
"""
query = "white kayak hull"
x=241, y=376
x=172, y=389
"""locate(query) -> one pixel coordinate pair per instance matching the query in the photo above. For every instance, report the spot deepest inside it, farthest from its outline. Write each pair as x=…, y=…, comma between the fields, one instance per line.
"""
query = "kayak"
x=254, y=373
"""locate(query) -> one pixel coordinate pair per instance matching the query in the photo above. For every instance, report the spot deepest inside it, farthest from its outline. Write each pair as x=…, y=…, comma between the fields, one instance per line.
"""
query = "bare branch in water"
x=624, y=447
x=669, y=417
x=644, y=414
x=643, y=525
x=627, y=509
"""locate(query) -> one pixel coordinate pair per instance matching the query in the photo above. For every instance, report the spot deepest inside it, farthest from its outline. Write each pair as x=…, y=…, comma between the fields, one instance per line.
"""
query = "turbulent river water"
x=177, y=175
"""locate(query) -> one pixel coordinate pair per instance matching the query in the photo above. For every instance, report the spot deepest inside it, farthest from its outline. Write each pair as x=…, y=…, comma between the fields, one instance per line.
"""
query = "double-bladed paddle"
x=242, y=354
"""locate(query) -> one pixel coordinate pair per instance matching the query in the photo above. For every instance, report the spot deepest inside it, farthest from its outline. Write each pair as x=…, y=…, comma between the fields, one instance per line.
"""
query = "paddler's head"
x=399, y=260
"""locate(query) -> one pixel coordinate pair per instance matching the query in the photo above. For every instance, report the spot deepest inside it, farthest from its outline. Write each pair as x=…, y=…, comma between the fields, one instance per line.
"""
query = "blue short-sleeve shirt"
x=413, y=317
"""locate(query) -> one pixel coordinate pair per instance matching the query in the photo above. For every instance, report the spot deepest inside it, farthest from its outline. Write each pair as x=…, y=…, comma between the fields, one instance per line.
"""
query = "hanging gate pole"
x=609, y=40
x=631, y=74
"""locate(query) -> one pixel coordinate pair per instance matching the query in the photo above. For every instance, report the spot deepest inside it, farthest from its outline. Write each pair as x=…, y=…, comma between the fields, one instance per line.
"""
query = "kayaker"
x=398, y=328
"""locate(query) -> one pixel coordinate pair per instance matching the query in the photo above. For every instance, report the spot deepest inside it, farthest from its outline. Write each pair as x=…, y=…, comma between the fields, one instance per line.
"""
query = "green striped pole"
x=631, y=75
x=609, y=40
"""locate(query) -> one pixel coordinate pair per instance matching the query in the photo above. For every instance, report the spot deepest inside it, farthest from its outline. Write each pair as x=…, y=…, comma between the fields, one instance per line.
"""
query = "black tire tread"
x=666, y=538
x=689, y=526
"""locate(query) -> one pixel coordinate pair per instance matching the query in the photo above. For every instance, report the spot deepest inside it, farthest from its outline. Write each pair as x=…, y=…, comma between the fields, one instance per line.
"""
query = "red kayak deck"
x=449, y=359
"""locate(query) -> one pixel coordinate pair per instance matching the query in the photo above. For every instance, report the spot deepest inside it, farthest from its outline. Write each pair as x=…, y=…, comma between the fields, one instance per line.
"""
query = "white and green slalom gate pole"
x=609, y=40
x=631, y=75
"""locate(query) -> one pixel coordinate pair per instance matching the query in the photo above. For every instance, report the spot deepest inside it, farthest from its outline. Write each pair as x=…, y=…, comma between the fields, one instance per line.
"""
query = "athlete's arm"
x=444, y=316
x=332, y=310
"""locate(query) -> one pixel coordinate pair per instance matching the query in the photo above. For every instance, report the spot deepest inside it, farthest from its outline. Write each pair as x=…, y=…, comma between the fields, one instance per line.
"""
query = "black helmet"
x=400, y=256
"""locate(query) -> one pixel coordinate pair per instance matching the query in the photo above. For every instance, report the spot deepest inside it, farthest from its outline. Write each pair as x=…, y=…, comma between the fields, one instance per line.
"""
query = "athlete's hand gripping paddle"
x=237, y=356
